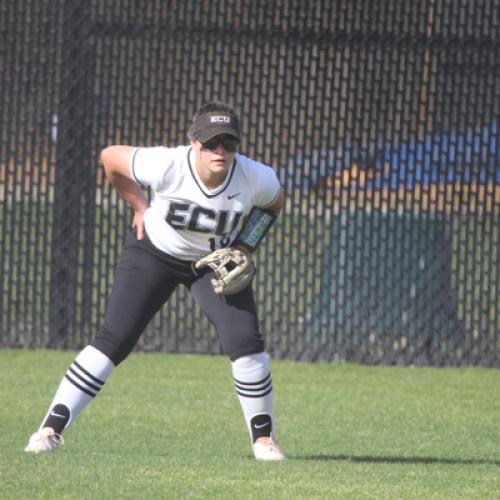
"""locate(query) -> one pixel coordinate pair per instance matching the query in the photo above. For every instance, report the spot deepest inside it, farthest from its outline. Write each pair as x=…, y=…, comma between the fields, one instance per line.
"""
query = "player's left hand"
x=233, y=270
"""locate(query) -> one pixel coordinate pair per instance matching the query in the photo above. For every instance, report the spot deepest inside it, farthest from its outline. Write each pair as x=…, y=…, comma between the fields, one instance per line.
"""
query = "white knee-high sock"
x=252, y=380
x=81, y=383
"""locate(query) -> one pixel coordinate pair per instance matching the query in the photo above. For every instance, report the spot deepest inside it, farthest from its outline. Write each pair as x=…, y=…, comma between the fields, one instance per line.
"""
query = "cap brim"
x=220, y=129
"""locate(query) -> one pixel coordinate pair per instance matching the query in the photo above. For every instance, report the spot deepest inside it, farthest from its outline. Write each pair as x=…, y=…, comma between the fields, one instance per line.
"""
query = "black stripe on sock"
x=252, y=383
x=95, y=379
x=253, y=389
x=255, y=395
x=76, y=384
x=76, y=374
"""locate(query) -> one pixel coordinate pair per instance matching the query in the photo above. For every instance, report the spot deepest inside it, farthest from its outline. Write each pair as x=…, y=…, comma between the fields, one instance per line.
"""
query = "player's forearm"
x=115, y=160
x=130, y=191
x=256, y=225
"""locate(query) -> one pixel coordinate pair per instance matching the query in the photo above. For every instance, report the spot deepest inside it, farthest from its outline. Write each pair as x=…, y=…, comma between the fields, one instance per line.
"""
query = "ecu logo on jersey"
x=201, y=219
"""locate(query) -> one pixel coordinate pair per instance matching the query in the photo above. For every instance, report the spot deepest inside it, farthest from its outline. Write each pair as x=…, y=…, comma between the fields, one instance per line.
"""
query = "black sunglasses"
x=230, y=145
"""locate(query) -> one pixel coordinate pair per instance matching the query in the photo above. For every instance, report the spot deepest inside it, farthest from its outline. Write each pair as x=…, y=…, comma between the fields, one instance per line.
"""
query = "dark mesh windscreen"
x=380, y=118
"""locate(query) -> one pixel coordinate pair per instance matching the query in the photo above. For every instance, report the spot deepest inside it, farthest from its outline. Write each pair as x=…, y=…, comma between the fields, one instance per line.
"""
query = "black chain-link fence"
x=380, y=118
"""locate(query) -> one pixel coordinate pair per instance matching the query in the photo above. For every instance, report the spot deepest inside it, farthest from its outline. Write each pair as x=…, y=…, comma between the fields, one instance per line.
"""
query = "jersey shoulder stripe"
x=132, y=166
x=274, y=199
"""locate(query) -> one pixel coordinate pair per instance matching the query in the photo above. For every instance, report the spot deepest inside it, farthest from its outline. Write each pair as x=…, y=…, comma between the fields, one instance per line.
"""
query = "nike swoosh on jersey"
x=231, y=196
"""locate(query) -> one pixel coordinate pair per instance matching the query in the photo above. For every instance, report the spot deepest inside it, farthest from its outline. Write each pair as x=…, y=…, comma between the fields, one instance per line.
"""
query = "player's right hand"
x=138, y=224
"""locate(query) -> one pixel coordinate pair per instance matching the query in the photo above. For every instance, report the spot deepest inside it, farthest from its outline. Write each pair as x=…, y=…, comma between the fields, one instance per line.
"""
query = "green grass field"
x=170, y=426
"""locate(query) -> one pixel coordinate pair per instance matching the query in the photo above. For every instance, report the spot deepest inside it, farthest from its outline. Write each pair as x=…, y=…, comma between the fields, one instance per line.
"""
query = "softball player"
x=210, y=207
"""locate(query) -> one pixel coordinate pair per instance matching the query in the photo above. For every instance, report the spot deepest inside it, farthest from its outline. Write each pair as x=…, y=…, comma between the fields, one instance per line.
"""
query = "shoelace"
x=57, y=438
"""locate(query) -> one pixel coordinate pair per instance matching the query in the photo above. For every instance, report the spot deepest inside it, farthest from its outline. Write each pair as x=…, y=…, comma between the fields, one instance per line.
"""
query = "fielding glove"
x=233, y=270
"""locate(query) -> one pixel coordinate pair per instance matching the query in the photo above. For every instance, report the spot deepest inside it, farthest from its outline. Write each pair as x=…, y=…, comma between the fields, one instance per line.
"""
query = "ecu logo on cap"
x=220, y=119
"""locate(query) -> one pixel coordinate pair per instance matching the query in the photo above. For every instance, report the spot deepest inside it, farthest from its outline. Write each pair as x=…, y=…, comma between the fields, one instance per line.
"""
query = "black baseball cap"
x=215, y=123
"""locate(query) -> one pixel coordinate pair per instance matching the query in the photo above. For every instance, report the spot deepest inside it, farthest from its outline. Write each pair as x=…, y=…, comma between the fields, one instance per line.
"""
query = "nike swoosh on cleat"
x=261, y=426
x=57, y=415
x=231, y=196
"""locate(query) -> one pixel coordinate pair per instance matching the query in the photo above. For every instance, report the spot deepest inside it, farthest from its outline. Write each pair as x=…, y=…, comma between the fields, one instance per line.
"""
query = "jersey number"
x=224, y=242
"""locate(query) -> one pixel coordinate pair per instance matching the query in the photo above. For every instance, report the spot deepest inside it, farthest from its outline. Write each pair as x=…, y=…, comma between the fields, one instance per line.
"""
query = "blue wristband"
x=257, y=224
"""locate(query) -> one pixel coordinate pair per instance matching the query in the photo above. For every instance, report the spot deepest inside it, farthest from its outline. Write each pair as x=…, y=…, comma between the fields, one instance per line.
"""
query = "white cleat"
x=44, y=440
x=265, y=448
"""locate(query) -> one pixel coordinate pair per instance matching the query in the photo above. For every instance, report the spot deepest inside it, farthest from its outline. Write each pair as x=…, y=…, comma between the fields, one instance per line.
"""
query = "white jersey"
x=186, y=219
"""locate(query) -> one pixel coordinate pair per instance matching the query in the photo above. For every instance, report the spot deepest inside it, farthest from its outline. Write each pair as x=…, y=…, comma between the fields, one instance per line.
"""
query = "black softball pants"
x=145, y=278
